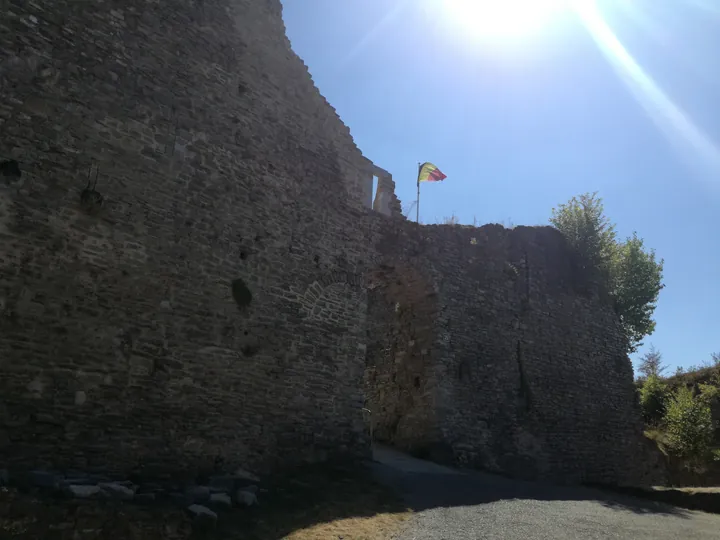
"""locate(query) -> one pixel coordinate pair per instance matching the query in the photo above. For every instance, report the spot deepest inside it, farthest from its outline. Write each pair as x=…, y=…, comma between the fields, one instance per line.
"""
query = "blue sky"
x=623, y=101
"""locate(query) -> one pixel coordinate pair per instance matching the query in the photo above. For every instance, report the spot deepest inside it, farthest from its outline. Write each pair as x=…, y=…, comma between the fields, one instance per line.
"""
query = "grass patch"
x=314, y=503
x=659, y=437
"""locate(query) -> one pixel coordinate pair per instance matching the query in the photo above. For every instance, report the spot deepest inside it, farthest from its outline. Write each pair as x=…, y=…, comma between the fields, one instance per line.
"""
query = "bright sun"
x=501, y=18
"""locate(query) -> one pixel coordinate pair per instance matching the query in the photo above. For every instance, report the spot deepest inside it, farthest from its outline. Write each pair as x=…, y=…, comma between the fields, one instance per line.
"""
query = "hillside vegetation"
x=682, y=415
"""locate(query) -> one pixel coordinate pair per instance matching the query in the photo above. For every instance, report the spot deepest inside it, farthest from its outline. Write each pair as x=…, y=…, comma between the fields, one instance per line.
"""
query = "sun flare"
x=501, y=18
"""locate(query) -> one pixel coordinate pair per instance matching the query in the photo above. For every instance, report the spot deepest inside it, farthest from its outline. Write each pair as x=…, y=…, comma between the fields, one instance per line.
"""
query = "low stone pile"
x=202, y=501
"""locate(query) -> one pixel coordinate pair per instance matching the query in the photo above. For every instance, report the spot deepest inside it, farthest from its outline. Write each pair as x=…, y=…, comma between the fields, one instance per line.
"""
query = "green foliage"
x=651, y=364
x=636, y=284
x=583, y=222
x=689, y=425
x=709, y=392
x=632, y=274
x=653, y=396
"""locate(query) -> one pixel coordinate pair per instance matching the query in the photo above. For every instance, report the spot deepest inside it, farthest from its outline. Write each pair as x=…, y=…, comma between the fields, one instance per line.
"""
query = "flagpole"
x=417, y=207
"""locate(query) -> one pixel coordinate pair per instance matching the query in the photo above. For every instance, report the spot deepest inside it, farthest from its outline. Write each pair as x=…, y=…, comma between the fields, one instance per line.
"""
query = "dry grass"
x=316, y=503
x=378, y=527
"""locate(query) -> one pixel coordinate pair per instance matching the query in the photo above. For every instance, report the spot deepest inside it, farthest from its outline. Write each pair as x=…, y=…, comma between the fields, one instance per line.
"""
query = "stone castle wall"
x=218, y=160
x=235, y=299
x=495, y=351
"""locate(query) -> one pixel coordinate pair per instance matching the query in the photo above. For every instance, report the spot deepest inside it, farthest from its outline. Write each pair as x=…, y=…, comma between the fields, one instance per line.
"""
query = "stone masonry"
x=193, y=272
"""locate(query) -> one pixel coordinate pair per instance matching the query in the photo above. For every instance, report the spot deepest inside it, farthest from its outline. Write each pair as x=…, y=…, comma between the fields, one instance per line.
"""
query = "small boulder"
x=144, y=498
x=221, y=500
x=117, y=490
x=198, y=494
x=78, y=480
x=246, y=498
x=202, y=515
x=83, y=491
x=242, y=474
x=219, y=484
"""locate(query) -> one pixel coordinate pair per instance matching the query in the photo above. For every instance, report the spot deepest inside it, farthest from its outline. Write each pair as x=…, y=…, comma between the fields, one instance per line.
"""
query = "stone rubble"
x=246, y=498
x=221, y=500
x=83, y=491
x=200, y=501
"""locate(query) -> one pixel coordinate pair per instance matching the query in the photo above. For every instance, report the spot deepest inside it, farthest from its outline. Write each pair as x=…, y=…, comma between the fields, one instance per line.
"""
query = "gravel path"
x=459, y=505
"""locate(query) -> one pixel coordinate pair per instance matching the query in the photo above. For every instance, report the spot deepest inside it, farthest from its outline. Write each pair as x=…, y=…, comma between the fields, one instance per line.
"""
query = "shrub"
x=689, y=425
x=653, y=395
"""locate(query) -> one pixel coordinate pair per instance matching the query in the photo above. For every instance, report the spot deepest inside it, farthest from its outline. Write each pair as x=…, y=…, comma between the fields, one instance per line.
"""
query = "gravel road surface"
x=458, y=505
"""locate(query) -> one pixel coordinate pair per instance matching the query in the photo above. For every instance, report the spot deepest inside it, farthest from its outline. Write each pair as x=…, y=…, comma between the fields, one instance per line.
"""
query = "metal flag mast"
x=431, y=174
x=417, y=207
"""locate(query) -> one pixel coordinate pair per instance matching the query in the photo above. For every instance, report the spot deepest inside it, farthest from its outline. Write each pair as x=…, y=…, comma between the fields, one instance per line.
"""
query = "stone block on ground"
x=202, y=516
x=83, y=491
x=198, y=494
x=117, y=490
x=242, y=474
x=78, y=480
x=221, y=500
x=246, y=498
x=222, y=483
x=145, y=498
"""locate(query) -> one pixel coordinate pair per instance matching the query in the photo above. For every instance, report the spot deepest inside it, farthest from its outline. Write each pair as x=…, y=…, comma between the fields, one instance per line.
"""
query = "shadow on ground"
x=311, y=497
x=703, y=499
x=371, y=501
x=424, y=491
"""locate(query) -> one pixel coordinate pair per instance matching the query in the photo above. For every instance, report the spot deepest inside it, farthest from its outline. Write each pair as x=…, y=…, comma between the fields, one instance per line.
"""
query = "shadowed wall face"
x=199, y=302
x=191, y=275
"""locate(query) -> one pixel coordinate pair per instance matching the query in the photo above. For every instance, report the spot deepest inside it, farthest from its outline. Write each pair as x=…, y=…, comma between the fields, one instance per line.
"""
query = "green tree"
x=636, y=282
x=631, y=273
x=583, y=222
x=689, y=425
x=651, y=364
x=653, y=397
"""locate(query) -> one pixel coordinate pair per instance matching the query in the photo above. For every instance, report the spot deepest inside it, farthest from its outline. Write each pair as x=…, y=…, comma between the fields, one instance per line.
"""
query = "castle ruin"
x=193, y=272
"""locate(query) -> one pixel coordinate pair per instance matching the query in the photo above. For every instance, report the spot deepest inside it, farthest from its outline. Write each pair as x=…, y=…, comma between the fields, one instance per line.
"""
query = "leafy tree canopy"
x=631, y=273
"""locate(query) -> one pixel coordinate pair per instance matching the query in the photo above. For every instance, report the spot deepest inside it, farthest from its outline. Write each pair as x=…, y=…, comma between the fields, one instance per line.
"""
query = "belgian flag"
x=430, y=173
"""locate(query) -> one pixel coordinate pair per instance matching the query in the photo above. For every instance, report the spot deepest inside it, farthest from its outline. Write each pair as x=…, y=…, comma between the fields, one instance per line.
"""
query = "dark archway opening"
x=400, y=380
